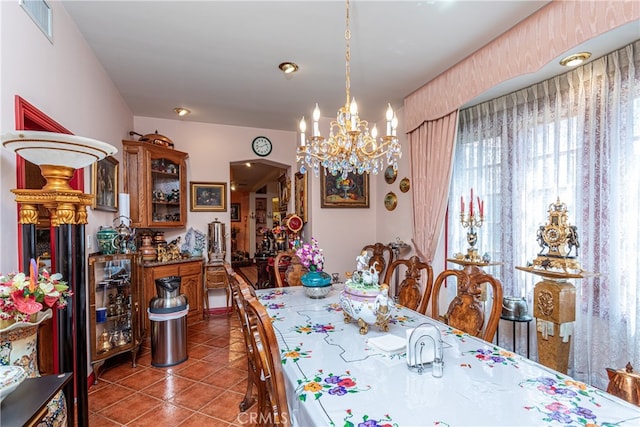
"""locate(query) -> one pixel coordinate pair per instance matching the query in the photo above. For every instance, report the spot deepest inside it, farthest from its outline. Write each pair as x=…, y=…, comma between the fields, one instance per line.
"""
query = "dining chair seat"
x=409, y=292
x=466, y=311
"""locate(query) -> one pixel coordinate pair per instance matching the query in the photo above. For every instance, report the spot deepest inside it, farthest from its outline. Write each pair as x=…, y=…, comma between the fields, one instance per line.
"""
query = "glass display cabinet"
x=114, y=306
x=155, y=178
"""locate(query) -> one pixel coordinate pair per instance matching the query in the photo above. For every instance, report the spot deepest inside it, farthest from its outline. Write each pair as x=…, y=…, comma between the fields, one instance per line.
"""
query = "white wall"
x=65, y=81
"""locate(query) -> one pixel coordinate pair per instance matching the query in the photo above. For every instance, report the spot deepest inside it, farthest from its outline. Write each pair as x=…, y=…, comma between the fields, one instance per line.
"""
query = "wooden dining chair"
x=273, y=406
x=409, y=293
x=381, y=255
x=238, y=289
x=466, y=312
x=293, y=272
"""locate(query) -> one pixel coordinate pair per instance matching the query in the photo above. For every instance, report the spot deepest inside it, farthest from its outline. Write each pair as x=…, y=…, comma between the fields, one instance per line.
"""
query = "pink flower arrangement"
x=311, y=255
x=22, y=296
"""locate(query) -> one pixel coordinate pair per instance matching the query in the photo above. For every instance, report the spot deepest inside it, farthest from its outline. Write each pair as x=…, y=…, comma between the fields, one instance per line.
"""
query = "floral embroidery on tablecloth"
x=495, y=356
x=317, y=328
x=333, y=307
x=367, y=421
x=562, y=401
x=276, y=318
x=274, y=305
x=401, y=319
x=334, y=385
x=294, y=355
x=271, y=295
x=455, y=332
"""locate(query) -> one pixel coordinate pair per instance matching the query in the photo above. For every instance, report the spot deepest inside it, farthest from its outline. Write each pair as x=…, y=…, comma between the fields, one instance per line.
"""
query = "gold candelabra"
x=472, y=221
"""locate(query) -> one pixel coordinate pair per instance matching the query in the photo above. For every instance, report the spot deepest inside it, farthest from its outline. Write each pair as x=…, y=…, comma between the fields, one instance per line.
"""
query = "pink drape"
x=431, y=158
x=525, y=48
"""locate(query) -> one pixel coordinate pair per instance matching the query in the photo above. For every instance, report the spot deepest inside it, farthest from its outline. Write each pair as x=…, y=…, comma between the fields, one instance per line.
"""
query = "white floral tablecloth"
x=334, y=378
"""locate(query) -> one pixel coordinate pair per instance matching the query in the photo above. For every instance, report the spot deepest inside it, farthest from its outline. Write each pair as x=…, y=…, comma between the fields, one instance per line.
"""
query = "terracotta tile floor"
x=205, y=390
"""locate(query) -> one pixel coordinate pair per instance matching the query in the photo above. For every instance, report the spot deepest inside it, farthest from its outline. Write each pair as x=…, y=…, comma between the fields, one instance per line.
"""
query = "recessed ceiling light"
x=575, y=59
x=288, y=67
x=181, y=111
x=248, y=164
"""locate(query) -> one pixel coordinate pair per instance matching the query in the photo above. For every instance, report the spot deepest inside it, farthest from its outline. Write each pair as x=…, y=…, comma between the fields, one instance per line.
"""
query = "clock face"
x=261, y=146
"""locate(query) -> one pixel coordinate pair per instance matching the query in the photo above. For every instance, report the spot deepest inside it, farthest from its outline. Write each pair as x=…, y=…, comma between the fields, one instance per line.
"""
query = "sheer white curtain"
x=575, y=137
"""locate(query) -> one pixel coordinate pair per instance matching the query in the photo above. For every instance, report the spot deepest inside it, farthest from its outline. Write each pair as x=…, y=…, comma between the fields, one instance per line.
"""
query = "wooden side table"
x=215, y=277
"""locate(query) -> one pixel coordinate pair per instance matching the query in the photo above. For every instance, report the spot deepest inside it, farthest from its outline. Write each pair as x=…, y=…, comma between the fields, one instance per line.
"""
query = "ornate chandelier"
x=350, y=146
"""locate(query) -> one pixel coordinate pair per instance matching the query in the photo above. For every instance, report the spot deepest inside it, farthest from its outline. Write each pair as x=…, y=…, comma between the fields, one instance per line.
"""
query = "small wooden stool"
x=215, y=277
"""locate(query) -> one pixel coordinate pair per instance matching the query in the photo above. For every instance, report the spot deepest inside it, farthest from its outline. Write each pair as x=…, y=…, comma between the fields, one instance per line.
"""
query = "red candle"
x=461, y=204
x=471, y=208
x=479, y=205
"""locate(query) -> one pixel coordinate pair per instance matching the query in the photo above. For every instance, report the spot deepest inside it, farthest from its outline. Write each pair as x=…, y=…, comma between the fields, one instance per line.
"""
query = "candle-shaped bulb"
x=394, y=124
x=353, y=108
x=389, y=117
x=316, y=117
x=374, y=133
x=303, y=129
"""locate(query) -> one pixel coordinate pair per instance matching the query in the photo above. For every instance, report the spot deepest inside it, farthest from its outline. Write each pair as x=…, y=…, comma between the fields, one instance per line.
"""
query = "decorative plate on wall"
x=390, y=201
x=404, y=184
x=390, y=175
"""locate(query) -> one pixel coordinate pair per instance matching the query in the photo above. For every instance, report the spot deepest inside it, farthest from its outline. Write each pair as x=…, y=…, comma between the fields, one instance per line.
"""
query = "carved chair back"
x=293, y=272
x=274, y=408
x=409, y=291
x=381, y=256
x=466, y=311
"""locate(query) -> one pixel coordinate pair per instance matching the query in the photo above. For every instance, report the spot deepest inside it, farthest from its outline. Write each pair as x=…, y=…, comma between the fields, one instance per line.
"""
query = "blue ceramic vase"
x=315, y=278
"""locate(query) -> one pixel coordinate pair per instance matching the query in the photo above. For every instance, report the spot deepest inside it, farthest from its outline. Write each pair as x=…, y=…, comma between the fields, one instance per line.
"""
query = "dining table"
x=335, y=377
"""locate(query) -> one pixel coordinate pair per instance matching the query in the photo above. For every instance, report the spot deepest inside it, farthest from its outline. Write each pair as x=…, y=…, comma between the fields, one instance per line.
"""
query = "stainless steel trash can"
x=168, y=316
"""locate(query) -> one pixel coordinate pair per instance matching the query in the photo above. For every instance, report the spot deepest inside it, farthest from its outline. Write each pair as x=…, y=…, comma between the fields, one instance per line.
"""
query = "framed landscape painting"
x=350, y=192
x=208, y=196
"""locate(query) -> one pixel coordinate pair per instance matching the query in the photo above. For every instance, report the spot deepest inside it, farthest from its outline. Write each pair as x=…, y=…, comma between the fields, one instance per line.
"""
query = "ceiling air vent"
x=41, y=14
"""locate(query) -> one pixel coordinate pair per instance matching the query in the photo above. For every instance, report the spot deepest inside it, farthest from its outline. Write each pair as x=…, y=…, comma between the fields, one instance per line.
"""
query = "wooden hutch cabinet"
x=115, y=321
x=155, y=178
x=191, y=285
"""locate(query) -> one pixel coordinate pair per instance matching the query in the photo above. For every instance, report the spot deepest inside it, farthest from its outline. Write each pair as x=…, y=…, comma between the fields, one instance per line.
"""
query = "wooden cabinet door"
x=155, y=179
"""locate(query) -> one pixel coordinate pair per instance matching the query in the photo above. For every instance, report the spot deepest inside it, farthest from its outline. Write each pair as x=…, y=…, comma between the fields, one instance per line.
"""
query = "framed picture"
x=301, y=203
x=235, y=212
x=350, y=192
x=104, y=182
x=284, y=190
x=208, y=196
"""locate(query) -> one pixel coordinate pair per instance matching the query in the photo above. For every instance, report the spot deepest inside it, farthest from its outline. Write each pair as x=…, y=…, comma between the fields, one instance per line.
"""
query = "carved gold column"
x=554, y=307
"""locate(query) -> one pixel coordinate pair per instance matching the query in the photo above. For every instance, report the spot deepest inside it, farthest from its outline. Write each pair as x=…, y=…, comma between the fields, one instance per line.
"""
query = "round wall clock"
x=262, y=146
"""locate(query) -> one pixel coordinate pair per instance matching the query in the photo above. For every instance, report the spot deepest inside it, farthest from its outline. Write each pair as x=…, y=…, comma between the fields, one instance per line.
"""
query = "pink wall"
x=65, y=81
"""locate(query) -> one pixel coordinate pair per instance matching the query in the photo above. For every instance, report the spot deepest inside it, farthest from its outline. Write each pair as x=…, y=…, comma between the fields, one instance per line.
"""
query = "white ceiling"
x=220, y=58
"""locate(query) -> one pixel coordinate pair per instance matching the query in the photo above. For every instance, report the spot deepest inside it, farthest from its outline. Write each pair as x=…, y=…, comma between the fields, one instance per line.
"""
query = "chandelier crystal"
x=350, y=146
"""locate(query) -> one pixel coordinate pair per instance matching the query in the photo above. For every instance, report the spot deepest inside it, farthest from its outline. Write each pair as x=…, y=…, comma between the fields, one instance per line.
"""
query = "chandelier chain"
x=347, y=55
x=350, y=147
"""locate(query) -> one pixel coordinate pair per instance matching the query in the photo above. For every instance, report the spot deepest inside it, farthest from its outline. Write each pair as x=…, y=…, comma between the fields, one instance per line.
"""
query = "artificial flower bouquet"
x=311, y=255
x=22, y=296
